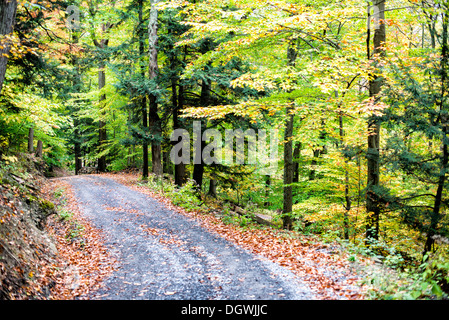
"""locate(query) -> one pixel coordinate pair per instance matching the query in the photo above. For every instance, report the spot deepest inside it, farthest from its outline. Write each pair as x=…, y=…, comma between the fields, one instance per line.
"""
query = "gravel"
x=164, y=255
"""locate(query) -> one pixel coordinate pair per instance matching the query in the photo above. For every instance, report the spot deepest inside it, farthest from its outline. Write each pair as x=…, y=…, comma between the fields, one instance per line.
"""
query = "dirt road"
x=162, y=254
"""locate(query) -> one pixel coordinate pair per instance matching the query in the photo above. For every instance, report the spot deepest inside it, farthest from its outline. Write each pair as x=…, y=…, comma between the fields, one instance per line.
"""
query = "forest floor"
x=150, y=249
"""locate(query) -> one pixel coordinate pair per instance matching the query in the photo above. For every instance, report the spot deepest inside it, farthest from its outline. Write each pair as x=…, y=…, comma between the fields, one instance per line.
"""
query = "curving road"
x=165, y=255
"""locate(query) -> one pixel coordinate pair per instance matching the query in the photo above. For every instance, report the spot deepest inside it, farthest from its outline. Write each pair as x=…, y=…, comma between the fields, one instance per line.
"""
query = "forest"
x=324, y=118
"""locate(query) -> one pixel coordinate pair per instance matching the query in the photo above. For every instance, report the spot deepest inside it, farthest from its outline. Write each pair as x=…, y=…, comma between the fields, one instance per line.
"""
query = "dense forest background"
x=357, y=91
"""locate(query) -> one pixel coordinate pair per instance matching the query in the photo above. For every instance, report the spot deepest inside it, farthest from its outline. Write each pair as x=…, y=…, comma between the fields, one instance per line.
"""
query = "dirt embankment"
x=47, y=251
x=26, y=251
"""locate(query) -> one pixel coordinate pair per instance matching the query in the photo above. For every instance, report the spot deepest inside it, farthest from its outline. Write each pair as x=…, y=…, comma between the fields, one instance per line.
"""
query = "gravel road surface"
x=162, y=254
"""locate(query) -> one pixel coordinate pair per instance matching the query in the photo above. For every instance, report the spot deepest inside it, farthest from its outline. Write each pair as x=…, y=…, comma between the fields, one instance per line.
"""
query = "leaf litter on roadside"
x=84, y=260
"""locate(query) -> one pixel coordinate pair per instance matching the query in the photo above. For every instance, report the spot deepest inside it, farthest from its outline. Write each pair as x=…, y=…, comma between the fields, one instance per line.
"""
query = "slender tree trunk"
x=177, y=105
x=39, y=149
x=288, y=171
x=180, y=169
x=267, y=190
x=144, y=144
x=143, y=99
x=341, y=145
x=77, y=142
x=347, y=198
x=78, y=161
x=156, y=147
x=296, y=155
x=76, y=83
x=436, y=215
x=198, y=169
x=318, y=152
x=287, y=220
x=155, y=121
x=373, y=175
x=8, y=9
x=30, y=140
x=101, y=124
x=102, y=44
x=102, y=133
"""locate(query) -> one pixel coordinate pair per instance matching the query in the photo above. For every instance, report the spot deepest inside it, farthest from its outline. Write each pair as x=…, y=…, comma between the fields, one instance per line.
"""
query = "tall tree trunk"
x=177, y=105
x=347, y=198
x=101, y=124
x=436, y=215
x=341, y=145
x=145, y=143
x=8, y=9
x=287, y=220
x=143, y=99
x=76, y=121
x=102, y=44
x=156, y=147
x=102, y=133
x=198, y=168
x=180, y=169
x=155, y=121
x=288, y=171
x=76, y=83
x=373, y=155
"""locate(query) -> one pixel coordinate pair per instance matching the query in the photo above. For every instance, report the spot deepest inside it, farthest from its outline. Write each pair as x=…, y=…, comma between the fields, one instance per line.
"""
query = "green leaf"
x=437, y=290
x=424, y=286
x=415, y=294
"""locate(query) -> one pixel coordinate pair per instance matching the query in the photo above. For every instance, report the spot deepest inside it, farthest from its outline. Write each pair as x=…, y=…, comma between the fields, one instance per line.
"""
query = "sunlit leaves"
x=34, y=111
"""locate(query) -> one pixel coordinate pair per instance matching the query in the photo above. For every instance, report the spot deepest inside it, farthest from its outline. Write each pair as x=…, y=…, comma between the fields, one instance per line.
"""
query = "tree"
x=375, y=84
x=155, y=121
x=417, y=93
x=436, y=215
x=288, y=148
x=76, y=85
x=143, y=98
x=8, y=9
x=101, y=44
